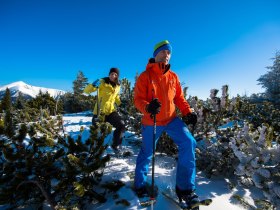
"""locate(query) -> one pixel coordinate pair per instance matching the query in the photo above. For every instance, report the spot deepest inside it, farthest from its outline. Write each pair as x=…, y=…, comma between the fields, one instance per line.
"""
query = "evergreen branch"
x=44, y=192
x=244, y=202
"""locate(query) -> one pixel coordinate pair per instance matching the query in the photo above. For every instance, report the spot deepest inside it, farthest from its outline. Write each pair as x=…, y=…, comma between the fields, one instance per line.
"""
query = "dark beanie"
x=116, y=70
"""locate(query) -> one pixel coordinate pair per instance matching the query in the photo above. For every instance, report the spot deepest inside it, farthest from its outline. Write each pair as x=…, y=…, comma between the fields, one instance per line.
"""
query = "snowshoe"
x=145, y=196
x=187, y=196
x=192, y=203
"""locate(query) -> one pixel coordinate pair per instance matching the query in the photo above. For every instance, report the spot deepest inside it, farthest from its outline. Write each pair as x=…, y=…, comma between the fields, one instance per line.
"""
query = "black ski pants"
x=116, y=121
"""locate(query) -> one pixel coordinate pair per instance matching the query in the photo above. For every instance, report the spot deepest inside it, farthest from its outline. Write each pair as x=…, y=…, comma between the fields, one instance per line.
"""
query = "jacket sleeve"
x=117, y=99
x=140, y=93
x=180, y=100
x=89, y=89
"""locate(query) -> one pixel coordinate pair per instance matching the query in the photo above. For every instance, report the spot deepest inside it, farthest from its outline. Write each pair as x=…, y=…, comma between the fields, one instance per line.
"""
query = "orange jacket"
x=153, y=83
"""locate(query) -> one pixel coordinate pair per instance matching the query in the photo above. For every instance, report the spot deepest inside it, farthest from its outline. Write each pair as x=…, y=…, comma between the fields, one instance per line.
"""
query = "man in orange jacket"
x=158, y=92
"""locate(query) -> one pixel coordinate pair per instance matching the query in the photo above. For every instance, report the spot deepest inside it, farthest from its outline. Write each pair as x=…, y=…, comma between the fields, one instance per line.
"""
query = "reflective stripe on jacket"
x=153, y=83
x=107, y=96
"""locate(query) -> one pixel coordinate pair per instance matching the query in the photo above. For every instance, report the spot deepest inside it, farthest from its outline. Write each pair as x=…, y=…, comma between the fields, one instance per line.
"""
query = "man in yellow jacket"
x=108, y=90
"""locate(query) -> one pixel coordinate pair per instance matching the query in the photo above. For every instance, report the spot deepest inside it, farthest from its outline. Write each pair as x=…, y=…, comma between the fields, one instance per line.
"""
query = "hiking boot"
x=141, y=192
x=115, y=149
x=146, y=191
x=188, y=196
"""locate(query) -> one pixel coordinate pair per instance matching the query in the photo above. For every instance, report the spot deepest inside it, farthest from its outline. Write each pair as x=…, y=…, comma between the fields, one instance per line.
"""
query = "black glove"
x=190, y=118
x=153, y=107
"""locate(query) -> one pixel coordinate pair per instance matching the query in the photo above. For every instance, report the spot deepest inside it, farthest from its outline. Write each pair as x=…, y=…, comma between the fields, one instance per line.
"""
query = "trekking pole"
x=98, y=104
x=153, y=161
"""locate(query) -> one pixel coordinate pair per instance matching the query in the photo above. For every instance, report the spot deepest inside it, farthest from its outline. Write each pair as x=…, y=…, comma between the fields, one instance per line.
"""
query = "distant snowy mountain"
x=28, y=91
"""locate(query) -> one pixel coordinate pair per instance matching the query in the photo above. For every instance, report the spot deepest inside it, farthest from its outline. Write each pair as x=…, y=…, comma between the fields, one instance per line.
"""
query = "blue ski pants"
x=186, y=168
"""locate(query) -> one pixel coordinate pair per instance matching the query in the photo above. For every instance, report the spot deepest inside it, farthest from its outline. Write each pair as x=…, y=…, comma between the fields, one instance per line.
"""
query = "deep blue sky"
x=215, y=42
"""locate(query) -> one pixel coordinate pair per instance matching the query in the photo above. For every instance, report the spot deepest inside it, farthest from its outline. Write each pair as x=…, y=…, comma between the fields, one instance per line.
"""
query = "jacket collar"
x=108, y=81
x=158, y=68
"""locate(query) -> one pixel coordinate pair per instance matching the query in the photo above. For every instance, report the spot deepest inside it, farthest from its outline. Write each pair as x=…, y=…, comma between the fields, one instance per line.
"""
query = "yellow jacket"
x=108, y=95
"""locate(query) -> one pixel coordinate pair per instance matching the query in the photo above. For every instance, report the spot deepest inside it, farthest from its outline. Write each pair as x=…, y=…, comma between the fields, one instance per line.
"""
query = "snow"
x=165, y=172
x=30, y=90
x=118, y=168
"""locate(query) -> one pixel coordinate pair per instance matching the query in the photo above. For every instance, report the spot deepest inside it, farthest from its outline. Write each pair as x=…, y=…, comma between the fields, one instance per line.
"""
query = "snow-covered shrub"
x=60, y=171
x=262, y=161
x=237, y=137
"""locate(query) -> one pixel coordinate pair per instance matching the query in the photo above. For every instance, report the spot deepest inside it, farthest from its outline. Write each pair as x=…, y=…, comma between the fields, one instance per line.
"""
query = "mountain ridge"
x=28, y=91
